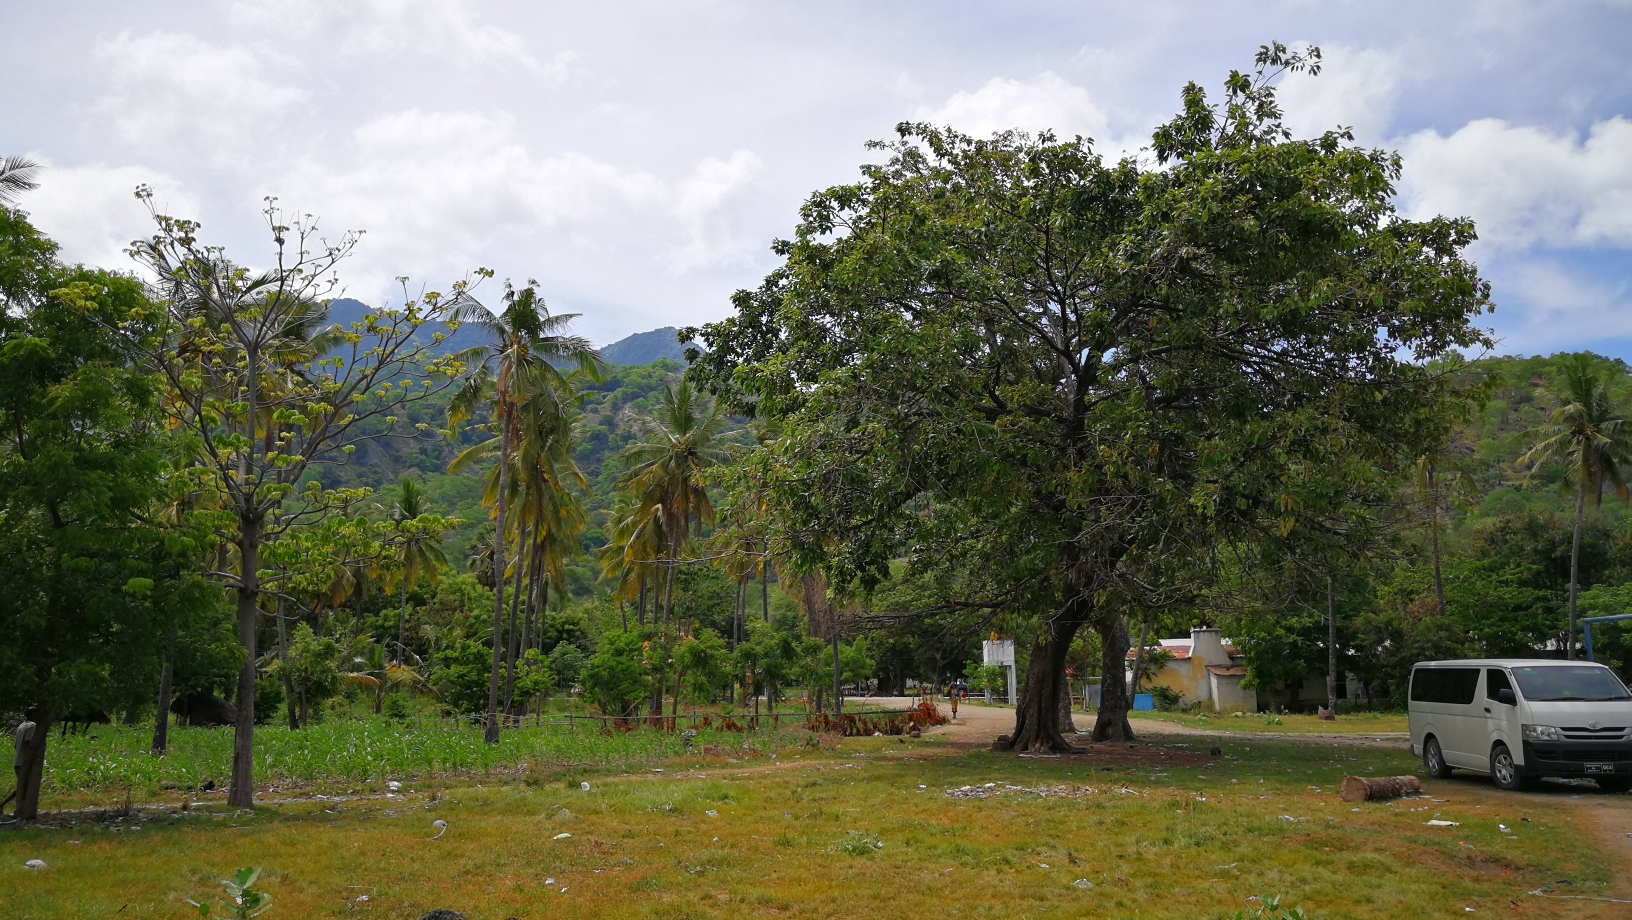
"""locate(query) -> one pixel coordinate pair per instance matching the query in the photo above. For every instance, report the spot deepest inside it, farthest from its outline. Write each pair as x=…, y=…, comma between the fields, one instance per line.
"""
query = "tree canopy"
x=1069, y=382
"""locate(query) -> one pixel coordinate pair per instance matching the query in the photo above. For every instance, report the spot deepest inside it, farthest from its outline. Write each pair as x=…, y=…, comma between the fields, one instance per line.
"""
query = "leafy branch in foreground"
x=244, y=900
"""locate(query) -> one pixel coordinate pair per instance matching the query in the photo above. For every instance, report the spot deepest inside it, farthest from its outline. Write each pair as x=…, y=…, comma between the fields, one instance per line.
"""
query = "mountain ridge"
x=634, y=350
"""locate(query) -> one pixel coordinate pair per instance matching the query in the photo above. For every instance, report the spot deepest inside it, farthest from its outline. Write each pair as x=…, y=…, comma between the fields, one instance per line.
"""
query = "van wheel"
x=1614, y=783
x=1503, y=770
x=1433, y=760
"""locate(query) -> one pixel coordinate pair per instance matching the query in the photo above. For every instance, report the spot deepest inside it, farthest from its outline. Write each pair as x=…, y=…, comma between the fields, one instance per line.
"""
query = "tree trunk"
x=283, y=658
x=640, y=611
x=764, y=584
x=530, y=607
x=242, y=793
x=512, y=637
x=1368, y=788
x=739, y=613
x=1068, y=725
x=1114, y=698
x=1331, y=649
x=838, y=677
x=668, y=586
x=491, y=734
x=31, y=773
x=1433, y=540
x=544, y=609
x=402, y=622
x=161, y=720
x=1037, y=711
x=1575, y=561
x=1139, y=656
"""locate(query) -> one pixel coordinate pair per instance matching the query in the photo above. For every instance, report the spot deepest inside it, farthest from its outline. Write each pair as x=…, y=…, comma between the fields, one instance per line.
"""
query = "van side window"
x=1495, y=681
x=1444, y=685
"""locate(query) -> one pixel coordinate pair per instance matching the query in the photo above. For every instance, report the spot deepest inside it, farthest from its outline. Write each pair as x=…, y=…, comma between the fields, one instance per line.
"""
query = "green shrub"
x=1166, y=698
x=461, y=675
x=396, y=707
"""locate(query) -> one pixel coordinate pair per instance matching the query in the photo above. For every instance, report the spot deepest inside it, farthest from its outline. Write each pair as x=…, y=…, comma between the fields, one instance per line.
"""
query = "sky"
x=637, y=159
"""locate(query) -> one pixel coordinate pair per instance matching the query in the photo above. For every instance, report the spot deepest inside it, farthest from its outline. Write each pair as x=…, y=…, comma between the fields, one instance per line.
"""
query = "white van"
x=1517, y=719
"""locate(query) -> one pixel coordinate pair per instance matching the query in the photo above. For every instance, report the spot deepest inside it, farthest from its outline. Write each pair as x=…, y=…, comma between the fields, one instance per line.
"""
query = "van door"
x=1463, y=719
x=1501, y=718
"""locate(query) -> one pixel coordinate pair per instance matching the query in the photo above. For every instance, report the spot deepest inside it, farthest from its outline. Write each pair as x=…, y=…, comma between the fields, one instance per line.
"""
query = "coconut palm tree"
x=16, y=177
x=665, y=470
x=419, y=553
x=542, y=483
x=1588, y=434
x=515, y=368
x=635, y=539
x=372, y=669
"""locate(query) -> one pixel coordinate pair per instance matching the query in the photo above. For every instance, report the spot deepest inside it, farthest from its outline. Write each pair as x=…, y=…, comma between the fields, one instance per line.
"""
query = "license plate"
x=1600, y=768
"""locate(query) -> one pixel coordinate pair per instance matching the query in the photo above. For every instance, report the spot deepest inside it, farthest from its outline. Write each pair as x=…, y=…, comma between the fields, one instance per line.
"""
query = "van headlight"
x=1542, y=733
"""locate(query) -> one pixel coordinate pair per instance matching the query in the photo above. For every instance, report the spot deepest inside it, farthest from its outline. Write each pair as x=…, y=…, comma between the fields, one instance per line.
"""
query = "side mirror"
x=1506, y=697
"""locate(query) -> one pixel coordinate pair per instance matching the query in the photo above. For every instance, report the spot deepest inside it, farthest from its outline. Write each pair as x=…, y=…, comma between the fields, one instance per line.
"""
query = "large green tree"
x=1068, y=381
x=92, y=575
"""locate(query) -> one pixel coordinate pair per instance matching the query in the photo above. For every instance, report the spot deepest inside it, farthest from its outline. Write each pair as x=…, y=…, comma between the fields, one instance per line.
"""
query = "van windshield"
x=1558, y=683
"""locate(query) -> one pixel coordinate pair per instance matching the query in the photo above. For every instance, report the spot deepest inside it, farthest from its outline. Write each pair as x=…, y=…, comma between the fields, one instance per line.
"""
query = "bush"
x=461, y=675
x=617, y=677
x=396, y=707
x=269, y=699
x=1166, y=698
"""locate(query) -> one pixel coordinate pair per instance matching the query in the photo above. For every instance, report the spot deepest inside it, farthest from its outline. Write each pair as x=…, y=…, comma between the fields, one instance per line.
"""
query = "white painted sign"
x=998, y=651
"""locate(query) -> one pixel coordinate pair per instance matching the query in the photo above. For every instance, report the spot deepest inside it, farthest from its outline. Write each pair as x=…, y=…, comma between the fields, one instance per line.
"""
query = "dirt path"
x=1148, y=727
x=974, y=724
x=979, y=724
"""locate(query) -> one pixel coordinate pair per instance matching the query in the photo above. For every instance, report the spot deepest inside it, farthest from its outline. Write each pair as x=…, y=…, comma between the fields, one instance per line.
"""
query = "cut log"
x=1366, y=789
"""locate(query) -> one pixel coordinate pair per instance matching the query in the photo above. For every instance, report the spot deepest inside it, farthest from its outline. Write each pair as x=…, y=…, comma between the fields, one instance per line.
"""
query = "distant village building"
x=1207, y=671
x=1202, y=669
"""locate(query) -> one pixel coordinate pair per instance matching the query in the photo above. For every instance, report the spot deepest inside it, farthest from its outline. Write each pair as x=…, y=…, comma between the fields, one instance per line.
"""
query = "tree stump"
x=1365, y=789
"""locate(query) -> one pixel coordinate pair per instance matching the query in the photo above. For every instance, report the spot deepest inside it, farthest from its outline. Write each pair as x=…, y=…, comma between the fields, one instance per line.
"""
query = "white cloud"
x=441, y=29
x=1523, y=185
x=1563, y=307
x=92, y=211
x=713, y=236
x=1356, y=88
x=433, y=189
x=174, y=90
x=1048, y=102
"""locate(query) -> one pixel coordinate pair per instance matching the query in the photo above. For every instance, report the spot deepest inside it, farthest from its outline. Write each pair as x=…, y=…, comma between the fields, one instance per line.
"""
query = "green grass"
x=362, y=750
x=861, y=830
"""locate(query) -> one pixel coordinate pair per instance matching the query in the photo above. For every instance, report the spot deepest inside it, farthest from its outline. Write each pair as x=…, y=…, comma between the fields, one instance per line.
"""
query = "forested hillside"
x=607, y=409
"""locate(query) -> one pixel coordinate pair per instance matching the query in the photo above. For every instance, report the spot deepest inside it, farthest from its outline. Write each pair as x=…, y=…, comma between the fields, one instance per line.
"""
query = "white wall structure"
x=1000, y=652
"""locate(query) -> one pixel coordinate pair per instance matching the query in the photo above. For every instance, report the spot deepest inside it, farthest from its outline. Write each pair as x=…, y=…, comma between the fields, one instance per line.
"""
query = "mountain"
x=636, y=350
x=646, y=347
x=346, y=311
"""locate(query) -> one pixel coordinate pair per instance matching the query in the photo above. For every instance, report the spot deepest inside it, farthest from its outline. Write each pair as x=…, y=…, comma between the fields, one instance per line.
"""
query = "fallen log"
x=1365, y=789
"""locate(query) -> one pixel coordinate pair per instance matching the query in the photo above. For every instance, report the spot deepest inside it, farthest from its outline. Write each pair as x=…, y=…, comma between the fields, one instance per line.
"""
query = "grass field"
x=369, y=750
x=864, y=827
